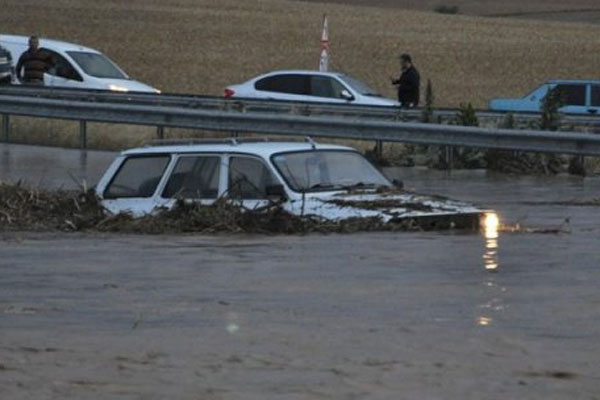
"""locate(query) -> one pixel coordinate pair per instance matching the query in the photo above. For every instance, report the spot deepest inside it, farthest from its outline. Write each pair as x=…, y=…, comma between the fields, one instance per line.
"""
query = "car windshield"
x=359, y=86
x=97, y=65
x=321, y=170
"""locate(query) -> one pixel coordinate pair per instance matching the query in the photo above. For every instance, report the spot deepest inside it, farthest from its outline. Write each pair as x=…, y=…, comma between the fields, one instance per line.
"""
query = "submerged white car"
x=77, y=66
x=307, y=179
x=311, y=86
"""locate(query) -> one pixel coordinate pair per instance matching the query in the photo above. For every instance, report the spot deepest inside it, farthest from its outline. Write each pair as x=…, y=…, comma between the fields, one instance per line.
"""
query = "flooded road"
x=52, y=167
x=362, y=316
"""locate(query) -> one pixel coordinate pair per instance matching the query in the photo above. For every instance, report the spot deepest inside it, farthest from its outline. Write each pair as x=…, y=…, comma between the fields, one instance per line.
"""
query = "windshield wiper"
x=334, y=186
x=325, y=186
x=362, y=185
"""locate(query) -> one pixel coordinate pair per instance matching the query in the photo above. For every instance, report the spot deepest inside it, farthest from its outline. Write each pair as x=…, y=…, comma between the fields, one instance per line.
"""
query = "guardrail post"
x=160, y=132
x=235, y=134
x=6, y=127
x=577, y=165
x=83, y=134
x=450, y=157
x=378, y=149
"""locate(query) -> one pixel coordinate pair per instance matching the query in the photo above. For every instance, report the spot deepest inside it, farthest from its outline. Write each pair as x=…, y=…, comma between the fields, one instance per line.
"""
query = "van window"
x=137, y=177
x=573, y=95
x=249, y=178
x=63, y=68
x=97, y=65
x=195, y=177
x=287, y=83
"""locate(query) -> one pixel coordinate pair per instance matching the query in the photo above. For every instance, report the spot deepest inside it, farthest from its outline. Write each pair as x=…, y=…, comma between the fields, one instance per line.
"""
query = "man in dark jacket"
x=34, y=63
x=6, y=67
x=408, y=84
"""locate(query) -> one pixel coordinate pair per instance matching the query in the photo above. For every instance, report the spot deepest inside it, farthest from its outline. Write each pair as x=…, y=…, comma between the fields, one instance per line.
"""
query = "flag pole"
x=324, y=60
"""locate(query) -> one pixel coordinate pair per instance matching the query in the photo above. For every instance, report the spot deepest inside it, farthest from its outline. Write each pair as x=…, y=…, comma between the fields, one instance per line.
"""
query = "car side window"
x=249, y=178
x=287, y=83
x=573, y=95
x=595, y=95
x=137, y=177
x=195, y=177
x=324, y=86
x=63, y=68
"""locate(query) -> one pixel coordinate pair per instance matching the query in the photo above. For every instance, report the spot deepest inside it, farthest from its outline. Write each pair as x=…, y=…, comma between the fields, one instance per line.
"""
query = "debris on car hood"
x=387, y=206
x=23, y=208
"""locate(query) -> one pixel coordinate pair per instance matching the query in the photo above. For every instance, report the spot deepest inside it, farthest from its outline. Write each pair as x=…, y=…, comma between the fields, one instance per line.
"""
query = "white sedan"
x=311, y=86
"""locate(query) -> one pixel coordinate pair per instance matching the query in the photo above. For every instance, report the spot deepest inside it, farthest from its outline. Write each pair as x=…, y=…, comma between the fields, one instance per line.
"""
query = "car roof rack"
x=182, y=142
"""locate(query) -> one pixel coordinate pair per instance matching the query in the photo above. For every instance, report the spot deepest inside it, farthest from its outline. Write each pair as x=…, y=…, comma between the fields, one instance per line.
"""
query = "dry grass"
x=480, y=7
x=201, y=46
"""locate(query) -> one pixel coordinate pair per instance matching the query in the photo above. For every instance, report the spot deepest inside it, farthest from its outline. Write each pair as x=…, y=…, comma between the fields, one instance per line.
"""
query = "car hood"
x=389, y=206
x=130, y=85
x=379, y=101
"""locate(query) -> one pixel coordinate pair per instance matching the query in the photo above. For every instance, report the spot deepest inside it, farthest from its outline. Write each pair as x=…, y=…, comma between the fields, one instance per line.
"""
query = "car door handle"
x=592, y=110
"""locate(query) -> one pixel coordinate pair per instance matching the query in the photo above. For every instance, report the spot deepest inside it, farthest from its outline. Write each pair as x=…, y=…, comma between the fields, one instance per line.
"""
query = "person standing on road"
x=34, y=63
x=408, y=83
x=6, y=67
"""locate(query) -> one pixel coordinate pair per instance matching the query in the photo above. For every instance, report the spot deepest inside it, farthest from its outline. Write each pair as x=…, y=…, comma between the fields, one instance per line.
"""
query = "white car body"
x=73, y=73
x=309, y=86
x=229, y=162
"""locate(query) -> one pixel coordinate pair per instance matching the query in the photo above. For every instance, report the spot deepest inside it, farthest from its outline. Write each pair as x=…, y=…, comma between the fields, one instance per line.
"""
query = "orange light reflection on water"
x=491, y=225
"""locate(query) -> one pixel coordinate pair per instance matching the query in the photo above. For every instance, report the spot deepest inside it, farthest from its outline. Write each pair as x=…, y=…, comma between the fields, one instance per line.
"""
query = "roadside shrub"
x=518, y=162
x=466, y=115
x=450, y=157
x=508, y=122
x=550, y=120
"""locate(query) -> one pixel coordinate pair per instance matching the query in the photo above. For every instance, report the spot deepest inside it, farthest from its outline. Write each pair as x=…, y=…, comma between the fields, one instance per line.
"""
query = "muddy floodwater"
x=430, y=315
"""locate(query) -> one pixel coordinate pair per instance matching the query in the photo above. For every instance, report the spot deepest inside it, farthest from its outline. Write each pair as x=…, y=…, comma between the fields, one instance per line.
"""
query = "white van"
x=77, y=66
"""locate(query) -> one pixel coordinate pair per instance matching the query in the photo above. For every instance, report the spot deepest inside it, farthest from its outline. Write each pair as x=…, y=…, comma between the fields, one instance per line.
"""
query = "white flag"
x=324, y=61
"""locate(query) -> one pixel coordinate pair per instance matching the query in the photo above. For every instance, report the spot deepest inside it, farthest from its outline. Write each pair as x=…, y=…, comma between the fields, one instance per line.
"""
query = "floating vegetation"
x=27, y=209
x=519, y=228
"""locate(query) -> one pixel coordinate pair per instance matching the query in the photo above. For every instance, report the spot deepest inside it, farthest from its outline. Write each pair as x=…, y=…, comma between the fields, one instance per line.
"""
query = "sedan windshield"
x=97, y=65
x=321, y=170
x=359, y=86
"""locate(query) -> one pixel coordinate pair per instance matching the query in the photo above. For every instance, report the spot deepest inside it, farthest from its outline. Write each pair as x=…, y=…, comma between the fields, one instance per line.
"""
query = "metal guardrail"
x=317, y=126
x=269, y=106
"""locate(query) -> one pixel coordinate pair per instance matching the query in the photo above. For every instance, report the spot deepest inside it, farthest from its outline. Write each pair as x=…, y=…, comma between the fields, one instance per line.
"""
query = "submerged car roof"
x=55, y=44
x=263, y=148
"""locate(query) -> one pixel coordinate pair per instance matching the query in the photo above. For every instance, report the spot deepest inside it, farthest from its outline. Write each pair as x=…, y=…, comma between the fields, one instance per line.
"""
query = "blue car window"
x=573, y=95
x=595, y=95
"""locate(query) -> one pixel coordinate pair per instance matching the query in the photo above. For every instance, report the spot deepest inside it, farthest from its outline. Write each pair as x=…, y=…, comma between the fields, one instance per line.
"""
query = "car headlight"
x=118, y=88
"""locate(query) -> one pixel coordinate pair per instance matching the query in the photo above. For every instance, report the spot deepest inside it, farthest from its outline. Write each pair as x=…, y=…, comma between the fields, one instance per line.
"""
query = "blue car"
x=581, y=97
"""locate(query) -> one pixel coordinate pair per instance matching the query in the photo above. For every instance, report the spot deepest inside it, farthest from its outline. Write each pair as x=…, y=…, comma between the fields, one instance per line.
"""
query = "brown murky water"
x=52, y=167
x=363, y=316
